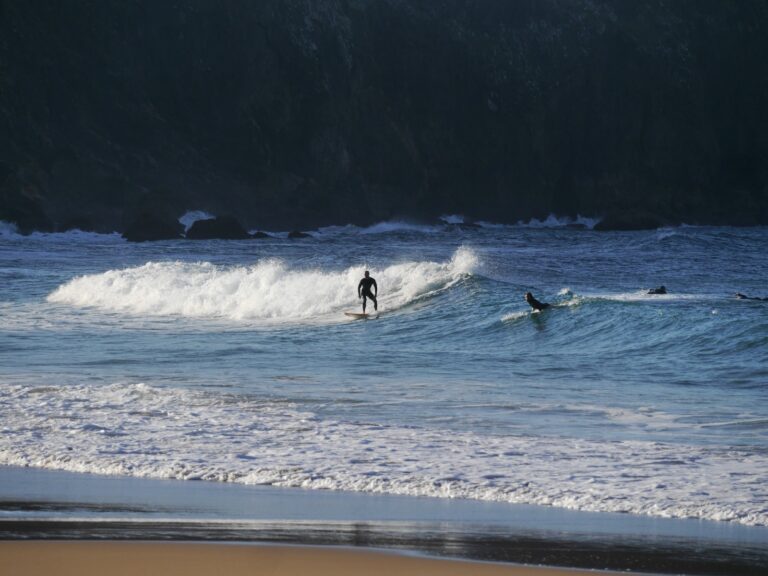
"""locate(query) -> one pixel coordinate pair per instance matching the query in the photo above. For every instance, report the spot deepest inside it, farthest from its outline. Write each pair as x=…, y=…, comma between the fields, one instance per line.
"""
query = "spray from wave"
x=267, y=290
x=8, y=229
x=193, y=216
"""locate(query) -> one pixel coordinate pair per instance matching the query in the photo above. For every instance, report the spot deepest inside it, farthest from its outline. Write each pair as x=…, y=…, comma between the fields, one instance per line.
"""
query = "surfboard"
x=361, y=316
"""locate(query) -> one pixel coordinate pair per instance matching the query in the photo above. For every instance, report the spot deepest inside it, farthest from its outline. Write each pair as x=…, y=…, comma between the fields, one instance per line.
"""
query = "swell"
x=638, y=329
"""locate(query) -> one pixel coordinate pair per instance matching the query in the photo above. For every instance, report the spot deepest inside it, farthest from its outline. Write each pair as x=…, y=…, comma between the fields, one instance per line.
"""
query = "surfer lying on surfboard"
x=741, y=296
x=364, y=290
x=535, y=304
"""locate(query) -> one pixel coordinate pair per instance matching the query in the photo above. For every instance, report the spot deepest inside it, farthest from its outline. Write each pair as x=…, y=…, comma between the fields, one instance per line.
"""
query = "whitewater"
x=269, y=289
x=232, y=361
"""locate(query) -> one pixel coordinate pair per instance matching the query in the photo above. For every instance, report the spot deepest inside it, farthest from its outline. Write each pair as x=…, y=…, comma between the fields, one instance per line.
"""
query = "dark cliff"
x=297, y=113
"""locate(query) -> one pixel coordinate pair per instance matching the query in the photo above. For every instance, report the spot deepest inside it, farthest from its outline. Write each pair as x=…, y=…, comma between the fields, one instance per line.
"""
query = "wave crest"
x=267, y=290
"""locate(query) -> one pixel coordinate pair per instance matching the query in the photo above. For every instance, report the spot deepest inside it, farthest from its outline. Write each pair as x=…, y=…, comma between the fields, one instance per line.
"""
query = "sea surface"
x=232, y=361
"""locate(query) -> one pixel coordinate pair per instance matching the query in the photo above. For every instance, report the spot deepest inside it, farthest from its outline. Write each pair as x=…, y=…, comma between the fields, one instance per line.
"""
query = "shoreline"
x=129, y=558
x=39, y=504
x=435, y=542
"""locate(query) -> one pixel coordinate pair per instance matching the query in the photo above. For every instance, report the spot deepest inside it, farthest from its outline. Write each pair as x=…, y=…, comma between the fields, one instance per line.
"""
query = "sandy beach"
x=147, y=559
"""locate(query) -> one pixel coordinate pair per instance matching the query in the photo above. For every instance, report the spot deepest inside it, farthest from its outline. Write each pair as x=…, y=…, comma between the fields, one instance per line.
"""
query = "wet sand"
x=132, y=558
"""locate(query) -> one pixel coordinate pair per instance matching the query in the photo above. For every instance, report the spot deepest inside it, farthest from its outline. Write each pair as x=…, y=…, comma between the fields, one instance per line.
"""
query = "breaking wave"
x=270, y=289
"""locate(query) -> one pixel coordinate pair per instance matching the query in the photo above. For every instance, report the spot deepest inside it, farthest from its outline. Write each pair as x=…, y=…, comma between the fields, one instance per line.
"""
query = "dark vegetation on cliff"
x=299, y=113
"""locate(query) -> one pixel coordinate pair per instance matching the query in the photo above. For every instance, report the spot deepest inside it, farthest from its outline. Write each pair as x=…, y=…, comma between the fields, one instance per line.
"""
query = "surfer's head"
x=367, y=273
x=528, y=296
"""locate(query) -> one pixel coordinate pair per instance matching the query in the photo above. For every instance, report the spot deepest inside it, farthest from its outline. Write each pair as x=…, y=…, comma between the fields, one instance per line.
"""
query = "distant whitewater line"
x=399, y=225
x=448, y=223
x=146, y=431
x=453, y=220
x=554, y=221
x=267, y=290
x=9, y=230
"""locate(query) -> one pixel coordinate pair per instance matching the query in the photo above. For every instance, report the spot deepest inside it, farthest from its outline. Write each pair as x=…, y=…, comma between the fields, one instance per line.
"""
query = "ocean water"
x=233, y=361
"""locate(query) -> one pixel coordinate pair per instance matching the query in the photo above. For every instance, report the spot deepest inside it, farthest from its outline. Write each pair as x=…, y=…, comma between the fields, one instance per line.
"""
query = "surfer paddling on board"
x=535, y=304
x=741, y=296
x=364, y=290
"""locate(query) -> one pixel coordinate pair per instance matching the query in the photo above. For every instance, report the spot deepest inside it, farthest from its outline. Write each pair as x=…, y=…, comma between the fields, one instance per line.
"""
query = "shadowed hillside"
x=299, y=113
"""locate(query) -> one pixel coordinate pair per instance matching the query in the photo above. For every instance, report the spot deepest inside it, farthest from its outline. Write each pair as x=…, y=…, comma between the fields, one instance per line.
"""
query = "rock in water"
x=149, y=226
x=26, y=213
x=221, y=228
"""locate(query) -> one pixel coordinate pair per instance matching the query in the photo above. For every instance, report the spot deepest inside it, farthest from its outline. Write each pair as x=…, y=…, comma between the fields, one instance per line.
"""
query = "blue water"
x=232, y=360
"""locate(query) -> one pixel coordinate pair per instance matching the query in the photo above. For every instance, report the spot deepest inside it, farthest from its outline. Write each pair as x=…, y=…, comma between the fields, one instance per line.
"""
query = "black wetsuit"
x=535, y=304
x=741, y=296
x=364, y=290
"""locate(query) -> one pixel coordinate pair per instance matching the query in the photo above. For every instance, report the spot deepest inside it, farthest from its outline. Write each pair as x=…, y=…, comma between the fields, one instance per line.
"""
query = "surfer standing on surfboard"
x=364, y=290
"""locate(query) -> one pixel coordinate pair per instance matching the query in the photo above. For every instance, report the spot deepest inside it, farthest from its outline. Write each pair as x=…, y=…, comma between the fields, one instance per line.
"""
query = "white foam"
x=643, y=296
x=512, y=316
x=8, y=229
x=334, y=230
x=193, y=216
x=666, y=232
x=554, y=221
x=392, y=226
x=551, y=221
x=266, y=290
x=77, y=235
x=141, y=430
x=399, y=226
x=386, y=227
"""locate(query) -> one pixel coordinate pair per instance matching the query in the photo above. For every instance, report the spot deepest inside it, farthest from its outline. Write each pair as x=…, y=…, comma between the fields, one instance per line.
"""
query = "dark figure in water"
x=535, y=304
x=364, y=290
x=659, y=290
x=741, y=296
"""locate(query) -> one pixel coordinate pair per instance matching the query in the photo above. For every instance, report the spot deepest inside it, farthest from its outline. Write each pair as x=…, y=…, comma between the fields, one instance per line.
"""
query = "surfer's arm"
x=375, y=289
x=359, y=287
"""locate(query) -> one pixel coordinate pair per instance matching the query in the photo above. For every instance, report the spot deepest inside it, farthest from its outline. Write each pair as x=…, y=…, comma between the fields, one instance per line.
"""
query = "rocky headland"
x=294, y=114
